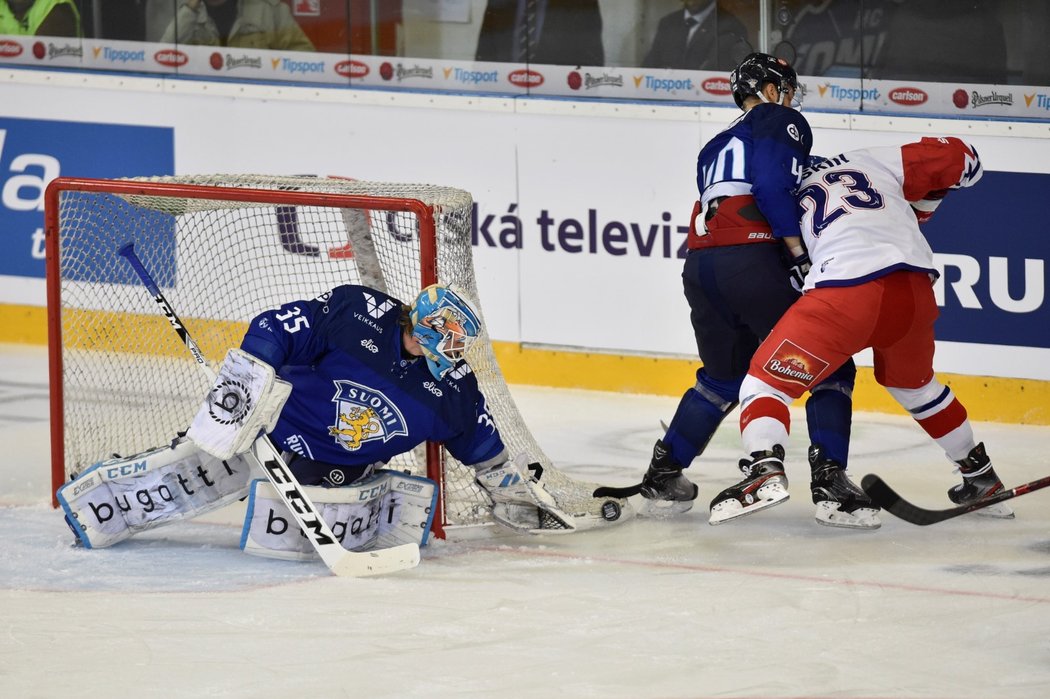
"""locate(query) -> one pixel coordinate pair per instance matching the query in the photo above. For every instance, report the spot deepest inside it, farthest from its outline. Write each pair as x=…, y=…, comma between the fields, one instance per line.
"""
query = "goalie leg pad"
x=120, y=497
x=245, y=402
x=385, y=509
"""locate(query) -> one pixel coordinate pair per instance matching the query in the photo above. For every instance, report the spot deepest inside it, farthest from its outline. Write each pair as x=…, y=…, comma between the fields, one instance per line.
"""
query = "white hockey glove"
x=245, y=402
x=520, y=502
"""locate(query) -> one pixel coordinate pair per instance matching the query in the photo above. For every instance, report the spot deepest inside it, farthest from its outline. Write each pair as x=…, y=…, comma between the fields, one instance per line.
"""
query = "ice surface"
x=769, y=606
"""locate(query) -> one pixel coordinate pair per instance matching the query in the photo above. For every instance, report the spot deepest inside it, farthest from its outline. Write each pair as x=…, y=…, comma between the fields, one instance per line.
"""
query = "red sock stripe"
x=766, y=407
x=944, y=421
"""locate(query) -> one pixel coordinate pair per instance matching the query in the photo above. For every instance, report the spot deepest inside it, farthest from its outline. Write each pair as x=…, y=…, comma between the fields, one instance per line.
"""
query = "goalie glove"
x=520, y=502
x=244, y=403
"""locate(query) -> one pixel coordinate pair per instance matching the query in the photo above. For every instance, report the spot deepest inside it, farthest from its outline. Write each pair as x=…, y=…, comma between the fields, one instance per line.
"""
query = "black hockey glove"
x=797, y=269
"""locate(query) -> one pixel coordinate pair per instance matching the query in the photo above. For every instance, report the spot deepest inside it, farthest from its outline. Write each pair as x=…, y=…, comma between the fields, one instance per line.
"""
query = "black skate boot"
x=666, y=490
x=979, y=481
x=840, y=503
x=764, y=485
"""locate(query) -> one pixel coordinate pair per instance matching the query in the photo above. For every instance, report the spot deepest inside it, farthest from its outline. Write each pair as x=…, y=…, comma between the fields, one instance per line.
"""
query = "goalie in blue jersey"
x=341, y=383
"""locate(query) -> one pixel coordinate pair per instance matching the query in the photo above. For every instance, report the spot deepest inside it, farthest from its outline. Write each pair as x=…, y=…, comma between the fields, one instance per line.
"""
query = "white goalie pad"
x=245, y=402
x=386, y=509
x=120, y=497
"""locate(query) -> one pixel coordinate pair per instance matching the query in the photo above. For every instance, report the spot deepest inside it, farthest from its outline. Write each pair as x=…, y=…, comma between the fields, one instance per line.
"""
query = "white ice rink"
x=770, y=606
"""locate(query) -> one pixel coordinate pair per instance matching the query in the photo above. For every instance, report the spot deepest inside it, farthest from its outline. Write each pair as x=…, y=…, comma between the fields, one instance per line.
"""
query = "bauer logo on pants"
x=793, y=364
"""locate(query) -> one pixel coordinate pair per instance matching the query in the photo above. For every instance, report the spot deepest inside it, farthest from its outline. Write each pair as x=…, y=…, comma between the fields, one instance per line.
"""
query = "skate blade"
x=660, y=509
x=830, y=515
x=998, y=511
x=772, y=495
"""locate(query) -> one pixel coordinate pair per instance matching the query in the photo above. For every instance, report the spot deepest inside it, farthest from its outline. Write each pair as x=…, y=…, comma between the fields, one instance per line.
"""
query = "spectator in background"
x=123, y=20
x=700, y=36
x=256, y=24
x=555, y=32
x=944, y=41
x=39, y=18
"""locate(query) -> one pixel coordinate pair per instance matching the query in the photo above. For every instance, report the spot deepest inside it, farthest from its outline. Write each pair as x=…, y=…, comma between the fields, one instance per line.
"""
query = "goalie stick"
x=888, y=499
x=339, y=560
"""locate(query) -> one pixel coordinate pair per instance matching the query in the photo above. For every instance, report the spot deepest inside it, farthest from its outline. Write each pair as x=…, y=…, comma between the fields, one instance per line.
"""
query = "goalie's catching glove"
x=520, y=502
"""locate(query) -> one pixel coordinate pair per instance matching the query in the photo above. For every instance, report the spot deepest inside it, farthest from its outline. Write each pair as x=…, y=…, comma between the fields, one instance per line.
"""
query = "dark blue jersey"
x=762, y=154
x=356, y=398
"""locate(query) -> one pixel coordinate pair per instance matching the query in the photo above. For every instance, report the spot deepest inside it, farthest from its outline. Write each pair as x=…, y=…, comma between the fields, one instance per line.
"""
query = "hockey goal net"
x=224, y=248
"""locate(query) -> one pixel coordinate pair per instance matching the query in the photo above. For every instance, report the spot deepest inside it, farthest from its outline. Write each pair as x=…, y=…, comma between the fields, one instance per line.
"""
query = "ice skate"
x=840, y=503
x=979, y=481
x=764, y=485
x=666, y=491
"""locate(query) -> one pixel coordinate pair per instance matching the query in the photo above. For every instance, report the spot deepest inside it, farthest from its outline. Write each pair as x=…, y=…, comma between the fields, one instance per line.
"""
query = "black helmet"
x=756, y=70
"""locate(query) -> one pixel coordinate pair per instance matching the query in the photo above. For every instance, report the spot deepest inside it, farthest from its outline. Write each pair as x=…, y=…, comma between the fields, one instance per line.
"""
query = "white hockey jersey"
x=856, y=209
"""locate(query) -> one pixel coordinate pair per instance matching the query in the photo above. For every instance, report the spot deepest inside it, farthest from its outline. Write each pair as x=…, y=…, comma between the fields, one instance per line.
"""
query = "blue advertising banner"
x=993, y=248
x=33, y=152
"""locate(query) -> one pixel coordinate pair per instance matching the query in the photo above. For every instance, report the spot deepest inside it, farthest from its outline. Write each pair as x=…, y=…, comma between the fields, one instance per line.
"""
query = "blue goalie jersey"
x=357, y=398
x=761, y=154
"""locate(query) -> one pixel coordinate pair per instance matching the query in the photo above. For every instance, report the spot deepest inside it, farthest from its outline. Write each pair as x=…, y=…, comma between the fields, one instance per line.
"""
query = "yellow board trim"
x=1020, y=401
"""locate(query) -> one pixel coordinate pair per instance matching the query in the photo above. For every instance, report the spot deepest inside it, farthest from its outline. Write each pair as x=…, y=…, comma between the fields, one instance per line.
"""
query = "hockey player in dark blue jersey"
x=743, y=270
x=341, y=383
x=368, y=378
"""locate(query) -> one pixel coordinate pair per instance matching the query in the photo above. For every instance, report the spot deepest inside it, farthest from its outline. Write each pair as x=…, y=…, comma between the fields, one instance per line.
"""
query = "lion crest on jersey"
x=362, y=414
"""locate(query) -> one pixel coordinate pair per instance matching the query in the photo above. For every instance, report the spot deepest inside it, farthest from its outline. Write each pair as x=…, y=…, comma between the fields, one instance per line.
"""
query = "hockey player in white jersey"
x=870, y=286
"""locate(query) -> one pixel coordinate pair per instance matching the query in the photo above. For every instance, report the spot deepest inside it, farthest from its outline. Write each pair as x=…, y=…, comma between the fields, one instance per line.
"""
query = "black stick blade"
x=887, y=498
x=609, y=492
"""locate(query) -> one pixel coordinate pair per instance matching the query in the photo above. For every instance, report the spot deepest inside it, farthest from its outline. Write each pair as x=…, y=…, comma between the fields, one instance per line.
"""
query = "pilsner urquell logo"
x=795, y=365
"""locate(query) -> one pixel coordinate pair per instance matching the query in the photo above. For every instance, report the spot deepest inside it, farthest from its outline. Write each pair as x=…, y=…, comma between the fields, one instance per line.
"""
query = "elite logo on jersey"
x=792, y=364
x=363, y=414
x=377, y=310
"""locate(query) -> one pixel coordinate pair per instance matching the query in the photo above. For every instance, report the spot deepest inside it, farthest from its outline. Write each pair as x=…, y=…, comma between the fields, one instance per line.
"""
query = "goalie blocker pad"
x=245, y=402
x=386, y=509
x=120, y=497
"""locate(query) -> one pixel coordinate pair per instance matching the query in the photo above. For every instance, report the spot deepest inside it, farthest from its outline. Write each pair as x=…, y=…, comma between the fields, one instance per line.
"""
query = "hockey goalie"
x=341, y=384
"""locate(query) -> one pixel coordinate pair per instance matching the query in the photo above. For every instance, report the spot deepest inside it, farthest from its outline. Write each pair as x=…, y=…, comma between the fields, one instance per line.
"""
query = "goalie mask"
x=445, y=325
x=757, y=69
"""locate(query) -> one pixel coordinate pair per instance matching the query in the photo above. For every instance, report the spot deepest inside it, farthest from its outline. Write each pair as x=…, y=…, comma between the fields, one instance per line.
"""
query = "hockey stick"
x=888, y=499
x=623, y=493
x=339, y=560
